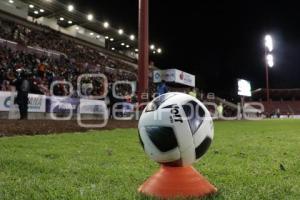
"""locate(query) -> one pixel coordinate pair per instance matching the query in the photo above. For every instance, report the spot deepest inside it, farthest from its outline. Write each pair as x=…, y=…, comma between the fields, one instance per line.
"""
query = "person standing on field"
x=220, y=110
x=193, y=93
x=22, y=85
x=162, y=88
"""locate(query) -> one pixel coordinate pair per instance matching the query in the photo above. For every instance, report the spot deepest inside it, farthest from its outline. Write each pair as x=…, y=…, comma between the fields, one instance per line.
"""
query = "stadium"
x=90, y=109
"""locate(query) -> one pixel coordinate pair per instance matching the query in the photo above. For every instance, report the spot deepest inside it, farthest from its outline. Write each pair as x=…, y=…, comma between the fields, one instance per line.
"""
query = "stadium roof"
x=116, y=38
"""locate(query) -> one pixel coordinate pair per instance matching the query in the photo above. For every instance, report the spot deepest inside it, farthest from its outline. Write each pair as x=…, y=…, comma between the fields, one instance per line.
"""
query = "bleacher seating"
x=285, y=107
x=71, y=59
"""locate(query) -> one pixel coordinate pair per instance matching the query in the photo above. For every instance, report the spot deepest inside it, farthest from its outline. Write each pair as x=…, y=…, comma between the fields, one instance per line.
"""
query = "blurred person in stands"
x=22, y=85
x=127, y=106
x=278, y=113
x=220, y=110
x=42, y=87
x=201, y=95
x=192, y=92
x=87, y=88
x=41, y=70
x=161, y=88
x=127, y=97
x=1, y=76
x=134, y=98
x=5, y=86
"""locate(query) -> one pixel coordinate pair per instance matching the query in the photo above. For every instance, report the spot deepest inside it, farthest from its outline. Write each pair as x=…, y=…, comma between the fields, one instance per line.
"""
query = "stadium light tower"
x=143, y=43
x=269, y=46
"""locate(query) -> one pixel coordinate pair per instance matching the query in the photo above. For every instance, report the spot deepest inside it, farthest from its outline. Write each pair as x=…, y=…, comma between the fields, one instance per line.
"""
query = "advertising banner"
x=157, y=76
x=185, y=78
x=174, y=75
x=92, y=106
x=65, y=105
x=37, y=103
x=62, y=104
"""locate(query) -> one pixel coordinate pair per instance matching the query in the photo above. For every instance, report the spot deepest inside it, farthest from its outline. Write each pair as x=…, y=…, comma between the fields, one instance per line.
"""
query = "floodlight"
x=269, y=43
x=270, y=60
x=90, y=17
x=70, y=8
x=120, y=31
x=105, y=24
x=132, y=37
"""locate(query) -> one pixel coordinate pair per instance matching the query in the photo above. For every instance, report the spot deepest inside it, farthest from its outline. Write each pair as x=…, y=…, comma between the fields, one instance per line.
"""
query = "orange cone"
x=171, y=182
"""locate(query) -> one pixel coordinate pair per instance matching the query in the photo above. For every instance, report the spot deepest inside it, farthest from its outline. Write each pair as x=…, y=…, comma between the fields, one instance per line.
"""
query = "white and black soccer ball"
x=175, y=129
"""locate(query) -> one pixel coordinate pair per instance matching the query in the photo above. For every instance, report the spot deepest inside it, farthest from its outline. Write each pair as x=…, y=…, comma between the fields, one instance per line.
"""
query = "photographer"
x=22, y=85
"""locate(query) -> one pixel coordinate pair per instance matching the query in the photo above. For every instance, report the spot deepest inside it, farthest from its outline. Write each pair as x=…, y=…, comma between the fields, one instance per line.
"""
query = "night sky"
x=214, y=40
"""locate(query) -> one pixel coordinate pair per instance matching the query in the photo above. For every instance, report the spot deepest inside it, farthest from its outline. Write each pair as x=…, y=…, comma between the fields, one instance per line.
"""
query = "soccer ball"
x=175, y=129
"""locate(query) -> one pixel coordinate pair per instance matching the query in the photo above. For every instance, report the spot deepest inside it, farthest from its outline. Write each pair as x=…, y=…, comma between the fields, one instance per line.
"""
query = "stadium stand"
x=66, y=62
x=285, y=107
x=49, y=55
x=287, y=101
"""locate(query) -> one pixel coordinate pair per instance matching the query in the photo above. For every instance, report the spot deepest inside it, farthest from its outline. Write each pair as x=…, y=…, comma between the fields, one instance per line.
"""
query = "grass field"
x=248, y=160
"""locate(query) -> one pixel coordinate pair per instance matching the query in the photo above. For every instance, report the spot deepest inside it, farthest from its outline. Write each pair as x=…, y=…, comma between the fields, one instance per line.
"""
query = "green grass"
x=243, y=162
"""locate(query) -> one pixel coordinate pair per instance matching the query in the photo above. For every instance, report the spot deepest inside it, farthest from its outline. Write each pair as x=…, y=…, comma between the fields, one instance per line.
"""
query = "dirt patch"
x=38, y=127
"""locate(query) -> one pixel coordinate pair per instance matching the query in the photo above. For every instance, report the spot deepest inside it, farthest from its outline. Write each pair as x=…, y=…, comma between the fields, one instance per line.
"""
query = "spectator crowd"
x=73, y=60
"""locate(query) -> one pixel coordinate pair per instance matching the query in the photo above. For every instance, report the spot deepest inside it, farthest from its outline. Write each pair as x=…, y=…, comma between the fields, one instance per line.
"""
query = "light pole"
x=269, y=61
